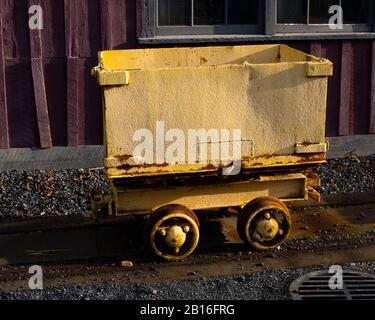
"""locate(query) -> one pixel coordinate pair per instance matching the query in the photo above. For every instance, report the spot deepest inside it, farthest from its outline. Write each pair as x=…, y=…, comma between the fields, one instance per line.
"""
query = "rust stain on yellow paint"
x=275, y=94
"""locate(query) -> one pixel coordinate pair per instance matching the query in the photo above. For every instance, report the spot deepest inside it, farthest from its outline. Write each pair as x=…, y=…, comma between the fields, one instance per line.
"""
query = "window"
x=291, y=16
x=184, y=17
x=253, y=17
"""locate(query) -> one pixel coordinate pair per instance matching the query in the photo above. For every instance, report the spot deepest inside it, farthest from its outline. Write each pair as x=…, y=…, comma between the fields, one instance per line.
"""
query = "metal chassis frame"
x=286, y=187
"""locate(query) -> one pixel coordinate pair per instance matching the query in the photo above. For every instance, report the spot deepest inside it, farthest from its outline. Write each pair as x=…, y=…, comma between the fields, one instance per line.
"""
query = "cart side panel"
x=277, y=107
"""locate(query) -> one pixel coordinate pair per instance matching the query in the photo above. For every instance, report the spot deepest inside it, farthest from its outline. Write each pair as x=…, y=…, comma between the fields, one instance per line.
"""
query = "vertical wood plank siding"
x=37, y=70
x=372, y=112
x=346, y=88
x=106, y=18
x=4, y=134
x=316, y=49
x=48, y=98
x=71, y=52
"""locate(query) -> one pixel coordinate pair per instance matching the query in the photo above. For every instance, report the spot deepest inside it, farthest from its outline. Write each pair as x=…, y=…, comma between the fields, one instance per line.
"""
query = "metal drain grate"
x=315, y=286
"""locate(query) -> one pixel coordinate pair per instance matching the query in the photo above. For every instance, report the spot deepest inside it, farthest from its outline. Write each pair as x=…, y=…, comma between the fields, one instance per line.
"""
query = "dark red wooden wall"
x=48, y=98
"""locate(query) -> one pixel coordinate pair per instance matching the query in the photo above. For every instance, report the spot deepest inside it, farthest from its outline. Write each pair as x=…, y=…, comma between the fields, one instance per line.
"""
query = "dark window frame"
x=153, y=29
x=273, y=28
x=267, y=26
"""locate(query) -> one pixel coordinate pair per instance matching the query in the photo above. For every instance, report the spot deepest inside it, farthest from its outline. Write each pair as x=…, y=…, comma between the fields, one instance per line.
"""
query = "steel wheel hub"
x=267, y=229
x=264, y=223
x=175, y=236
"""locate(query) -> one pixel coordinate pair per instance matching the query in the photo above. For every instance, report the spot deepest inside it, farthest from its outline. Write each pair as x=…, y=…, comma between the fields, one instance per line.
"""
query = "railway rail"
x=339, y=230
x=204, y=265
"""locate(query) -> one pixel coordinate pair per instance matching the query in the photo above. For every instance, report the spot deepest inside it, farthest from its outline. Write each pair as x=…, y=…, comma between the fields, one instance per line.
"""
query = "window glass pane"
x=209, y=12
x=355, y=11
x=319, y=11
x=243, y=11
x=292, y=11
x=174, y=12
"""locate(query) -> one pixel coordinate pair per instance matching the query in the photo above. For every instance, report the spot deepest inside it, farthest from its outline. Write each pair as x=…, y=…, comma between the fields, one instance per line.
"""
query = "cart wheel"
x=264, y=223
x=172, y=232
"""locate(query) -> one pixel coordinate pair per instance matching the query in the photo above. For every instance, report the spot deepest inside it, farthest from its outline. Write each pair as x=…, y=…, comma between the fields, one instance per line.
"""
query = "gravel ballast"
x=351, y=174
x=265, y=285
x=67, y=192
x=49, y=193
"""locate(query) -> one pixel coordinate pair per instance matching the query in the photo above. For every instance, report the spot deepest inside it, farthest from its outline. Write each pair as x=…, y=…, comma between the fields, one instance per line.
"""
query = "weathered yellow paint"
x=275, y=94
x=113, y=78
x=313, y=194
x=114, y=169
x=290, y=187
x=324, y=68
x=311, y=148
x=171, y=58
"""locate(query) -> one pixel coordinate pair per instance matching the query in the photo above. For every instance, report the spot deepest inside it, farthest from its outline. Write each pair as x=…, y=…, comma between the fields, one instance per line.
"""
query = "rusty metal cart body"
x=275, y=95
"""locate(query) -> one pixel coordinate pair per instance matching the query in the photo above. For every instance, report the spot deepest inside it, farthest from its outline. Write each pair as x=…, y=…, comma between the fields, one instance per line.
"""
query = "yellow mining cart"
x=275, y=95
